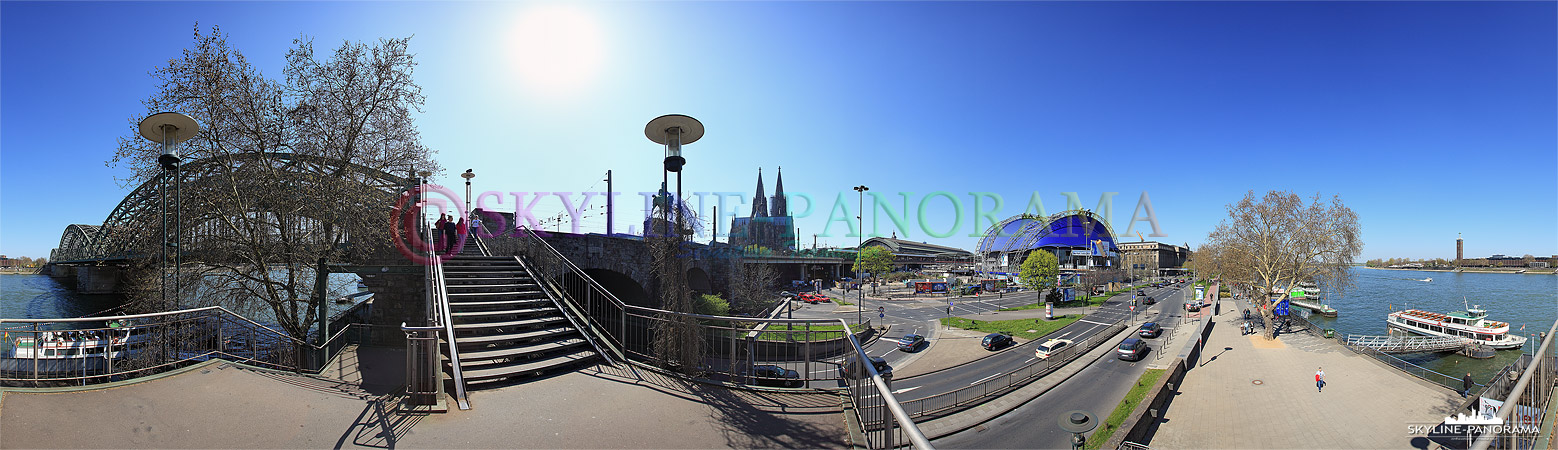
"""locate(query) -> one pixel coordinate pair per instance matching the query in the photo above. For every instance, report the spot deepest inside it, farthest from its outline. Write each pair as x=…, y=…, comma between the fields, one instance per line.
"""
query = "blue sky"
x=1429, y=119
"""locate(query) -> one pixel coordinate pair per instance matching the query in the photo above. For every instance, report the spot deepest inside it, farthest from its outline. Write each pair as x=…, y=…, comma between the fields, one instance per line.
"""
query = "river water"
x=1520, y=299
x=42, y=297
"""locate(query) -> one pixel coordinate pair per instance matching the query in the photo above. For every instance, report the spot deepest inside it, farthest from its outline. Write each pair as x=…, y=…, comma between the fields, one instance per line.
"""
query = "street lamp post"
x=468, y=175
x=1077, y=422
x=859, y=241
x=168, y=129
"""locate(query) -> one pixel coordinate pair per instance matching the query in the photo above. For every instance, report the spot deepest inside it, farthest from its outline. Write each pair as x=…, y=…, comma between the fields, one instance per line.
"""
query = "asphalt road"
x=1096, y=389
x=921, y=315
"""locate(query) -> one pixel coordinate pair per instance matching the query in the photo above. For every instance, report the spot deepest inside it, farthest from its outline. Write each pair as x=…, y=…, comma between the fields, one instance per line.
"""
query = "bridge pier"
x=62, y=272
x=98, y=279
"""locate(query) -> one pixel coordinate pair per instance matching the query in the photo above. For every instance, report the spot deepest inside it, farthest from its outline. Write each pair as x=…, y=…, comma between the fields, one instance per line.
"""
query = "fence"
x=1412, y=369
x=80, y=351
x=1522, y=409
x=949, y=402
x=740, y=350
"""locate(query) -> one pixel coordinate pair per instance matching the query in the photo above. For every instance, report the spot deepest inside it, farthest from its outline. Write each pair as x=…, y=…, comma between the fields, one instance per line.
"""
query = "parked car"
x=1050, y=348
x=787, y=295
x=996, y=341
x=852, y=368
x=1132, y=349
x=771, y=375
x=1149, y=330
x=911, y=342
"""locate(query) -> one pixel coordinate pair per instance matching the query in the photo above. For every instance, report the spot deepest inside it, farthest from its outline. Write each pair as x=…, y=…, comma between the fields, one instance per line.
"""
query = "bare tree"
x=1273, y=243
x=750, y=286
x=677, y=340
x=284, y=175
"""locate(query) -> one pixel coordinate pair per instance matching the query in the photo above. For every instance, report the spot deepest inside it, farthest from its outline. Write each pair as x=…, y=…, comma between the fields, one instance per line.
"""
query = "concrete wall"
x=97, y=279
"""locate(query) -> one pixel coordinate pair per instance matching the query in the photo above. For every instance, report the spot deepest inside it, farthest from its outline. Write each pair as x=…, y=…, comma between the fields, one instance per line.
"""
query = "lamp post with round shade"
x=672, y=131
x=1077, y=422
x=169, y=129
x=859, y=241
x=468, y=175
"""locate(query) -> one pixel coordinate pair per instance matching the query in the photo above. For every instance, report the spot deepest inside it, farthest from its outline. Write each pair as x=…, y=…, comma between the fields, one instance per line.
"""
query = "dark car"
x=1193, y=306
x=911, y=342
x=787, y=295
x=852, y=368
x=1149, y=330
x=1132, y=349
x=1148, y=301
x=1142, y=292
x=996, y=341
x=770, y=375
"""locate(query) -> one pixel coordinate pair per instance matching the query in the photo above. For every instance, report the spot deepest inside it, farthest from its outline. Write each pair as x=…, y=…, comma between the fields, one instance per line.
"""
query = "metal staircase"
x=505, y=327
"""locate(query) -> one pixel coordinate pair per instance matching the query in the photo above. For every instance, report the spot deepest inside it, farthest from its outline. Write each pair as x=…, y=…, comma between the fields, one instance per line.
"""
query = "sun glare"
x=557, y=49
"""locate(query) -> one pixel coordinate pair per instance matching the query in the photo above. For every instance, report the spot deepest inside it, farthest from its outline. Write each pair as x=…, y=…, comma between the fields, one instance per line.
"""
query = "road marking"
x=900, y=391
x=1092, y=322
x=889, y=351
x=981, y=380
x=1029, y=360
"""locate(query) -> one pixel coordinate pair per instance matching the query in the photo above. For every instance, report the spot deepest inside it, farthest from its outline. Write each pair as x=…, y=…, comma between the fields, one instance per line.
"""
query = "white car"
x=1050, y=348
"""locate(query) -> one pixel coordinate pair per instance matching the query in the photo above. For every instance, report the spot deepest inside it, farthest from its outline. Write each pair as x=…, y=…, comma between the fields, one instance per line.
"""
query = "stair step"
x=486, y=280
x=491, y=286
x=455, y=306
x=453, y=295
x=527, y=367
x=479, y=257
x=507, y=323
x=510, y=337
x=516, y=270
x=505, y=312
x=467, y=357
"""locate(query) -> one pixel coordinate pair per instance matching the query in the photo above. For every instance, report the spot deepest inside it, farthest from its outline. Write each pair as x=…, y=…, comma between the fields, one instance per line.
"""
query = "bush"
x=711, y=305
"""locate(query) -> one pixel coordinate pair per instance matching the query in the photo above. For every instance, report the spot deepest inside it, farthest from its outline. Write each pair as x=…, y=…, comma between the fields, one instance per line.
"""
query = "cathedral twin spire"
x=760, y=204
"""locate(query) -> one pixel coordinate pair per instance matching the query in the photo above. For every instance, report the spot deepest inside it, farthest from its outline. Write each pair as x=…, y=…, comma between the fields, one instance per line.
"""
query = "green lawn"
x=777, y=332
x=1023, y=307
x=1018, y=327
x=1128, y=404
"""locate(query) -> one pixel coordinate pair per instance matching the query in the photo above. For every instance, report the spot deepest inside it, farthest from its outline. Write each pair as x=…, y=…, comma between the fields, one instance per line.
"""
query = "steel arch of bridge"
x=1037, y=228
x=135, y=221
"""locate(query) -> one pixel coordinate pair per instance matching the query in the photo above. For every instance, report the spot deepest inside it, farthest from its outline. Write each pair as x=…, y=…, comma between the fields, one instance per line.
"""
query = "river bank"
x=1541, y=271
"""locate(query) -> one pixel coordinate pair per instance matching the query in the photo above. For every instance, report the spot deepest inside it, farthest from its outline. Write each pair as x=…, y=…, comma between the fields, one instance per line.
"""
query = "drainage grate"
x=1257, y=382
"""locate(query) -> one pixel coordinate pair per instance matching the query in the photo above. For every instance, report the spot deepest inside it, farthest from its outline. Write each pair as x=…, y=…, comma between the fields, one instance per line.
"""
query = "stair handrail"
x=448, y=323
x=572, y=267
x=587, y=329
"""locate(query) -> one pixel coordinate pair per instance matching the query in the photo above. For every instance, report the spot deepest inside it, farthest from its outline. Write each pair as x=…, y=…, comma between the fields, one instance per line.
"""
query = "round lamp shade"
x=692, y=129
x=151, y=127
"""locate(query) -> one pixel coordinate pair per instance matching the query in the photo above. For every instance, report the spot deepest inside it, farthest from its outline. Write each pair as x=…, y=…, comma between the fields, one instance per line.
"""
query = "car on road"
x=852, y=368
x=1148, y=301
x=771, y=375
x=1149, y=330
x=1141, y=292
x=1193, y=306
x=995, y=341
x=1132, y=349
x=1050, y=348
x=787, y=295
x=911, y=342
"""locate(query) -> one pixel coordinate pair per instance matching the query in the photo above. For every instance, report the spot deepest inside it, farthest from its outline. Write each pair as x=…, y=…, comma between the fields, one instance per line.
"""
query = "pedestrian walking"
x=1466, y=384
x=449, y=232
x=438, y=228
x=1319, y=380
x=476, y=222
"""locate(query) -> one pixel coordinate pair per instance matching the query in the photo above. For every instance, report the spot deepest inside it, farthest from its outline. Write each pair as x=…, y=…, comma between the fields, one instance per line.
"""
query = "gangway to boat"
x=1409, y=344
x=1307, y=304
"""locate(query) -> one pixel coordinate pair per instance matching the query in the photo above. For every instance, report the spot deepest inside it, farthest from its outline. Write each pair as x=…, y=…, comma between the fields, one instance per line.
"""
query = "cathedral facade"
x=770, y=224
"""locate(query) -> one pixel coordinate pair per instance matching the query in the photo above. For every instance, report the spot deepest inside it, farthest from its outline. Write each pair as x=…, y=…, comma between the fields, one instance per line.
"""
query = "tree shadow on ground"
x=750, y=418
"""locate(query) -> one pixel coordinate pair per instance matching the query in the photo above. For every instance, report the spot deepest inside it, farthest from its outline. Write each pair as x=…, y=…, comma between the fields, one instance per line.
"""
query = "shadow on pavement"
x=746, y=419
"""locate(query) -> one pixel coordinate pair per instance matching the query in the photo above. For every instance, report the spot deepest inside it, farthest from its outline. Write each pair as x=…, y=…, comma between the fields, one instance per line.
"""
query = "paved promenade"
x=222, y=405
x=1253, y=393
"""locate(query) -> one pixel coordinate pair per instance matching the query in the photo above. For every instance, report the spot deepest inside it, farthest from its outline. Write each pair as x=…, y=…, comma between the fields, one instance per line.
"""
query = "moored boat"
x=1470, y=324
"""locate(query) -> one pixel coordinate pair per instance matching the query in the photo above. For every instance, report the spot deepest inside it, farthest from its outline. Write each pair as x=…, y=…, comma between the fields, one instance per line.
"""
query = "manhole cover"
x=1257, y=382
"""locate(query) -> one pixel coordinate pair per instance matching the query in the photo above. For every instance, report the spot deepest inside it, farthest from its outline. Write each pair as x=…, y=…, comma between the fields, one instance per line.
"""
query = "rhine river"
x=1519, y=299
x=41, y=297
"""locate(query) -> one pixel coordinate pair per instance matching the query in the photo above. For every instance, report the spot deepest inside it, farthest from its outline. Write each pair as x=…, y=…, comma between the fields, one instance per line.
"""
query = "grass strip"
x=1127, y=405
x=1025, y=328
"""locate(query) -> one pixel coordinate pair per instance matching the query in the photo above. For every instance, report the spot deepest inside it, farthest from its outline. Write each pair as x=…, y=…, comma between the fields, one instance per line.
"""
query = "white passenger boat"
x=70, y=351
x=1471, y=324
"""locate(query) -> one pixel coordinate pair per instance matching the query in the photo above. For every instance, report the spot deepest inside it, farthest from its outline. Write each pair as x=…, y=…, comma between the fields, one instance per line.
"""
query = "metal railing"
x=423, y=376
x=80, y=351
x=949, y=402
x=751, y=351
x=1522, y=409
x=1401, y=364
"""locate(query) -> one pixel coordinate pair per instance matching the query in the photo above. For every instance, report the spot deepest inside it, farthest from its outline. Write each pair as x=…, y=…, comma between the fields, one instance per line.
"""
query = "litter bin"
x=1330, y=333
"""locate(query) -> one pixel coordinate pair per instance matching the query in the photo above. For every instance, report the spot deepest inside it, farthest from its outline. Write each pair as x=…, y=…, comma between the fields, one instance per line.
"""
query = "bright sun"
x=557, y=49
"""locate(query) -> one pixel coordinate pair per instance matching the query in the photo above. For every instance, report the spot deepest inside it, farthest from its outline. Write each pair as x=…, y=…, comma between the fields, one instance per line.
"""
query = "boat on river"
x=68, y=351
x=1470, y=324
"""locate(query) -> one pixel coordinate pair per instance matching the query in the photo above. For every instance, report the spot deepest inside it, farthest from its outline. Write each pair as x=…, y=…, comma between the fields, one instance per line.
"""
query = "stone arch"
x=698, y=280
x=621, y=285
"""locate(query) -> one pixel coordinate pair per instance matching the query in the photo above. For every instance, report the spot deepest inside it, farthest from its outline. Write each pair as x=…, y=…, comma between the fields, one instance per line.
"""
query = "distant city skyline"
x=1421, y=116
